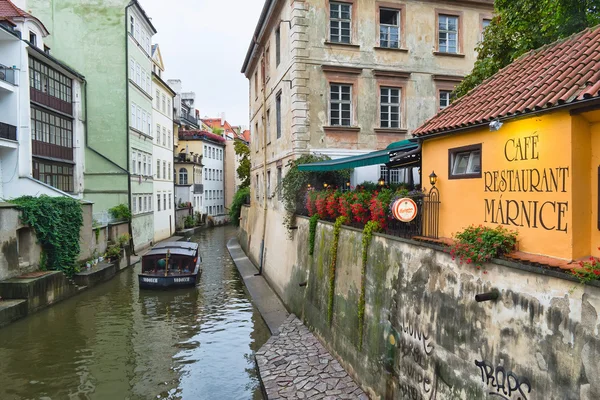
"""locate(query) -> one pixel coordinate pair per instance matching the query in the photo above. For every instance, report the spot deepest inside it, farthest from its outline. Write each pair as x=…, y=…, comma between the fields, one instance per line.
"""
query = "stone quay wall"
x=424, y=335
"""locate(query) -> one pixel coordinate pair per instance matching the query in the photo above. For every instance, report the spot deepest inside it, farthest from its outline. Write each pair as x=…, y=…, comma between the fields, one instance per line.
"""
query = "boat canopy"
x=178, y=248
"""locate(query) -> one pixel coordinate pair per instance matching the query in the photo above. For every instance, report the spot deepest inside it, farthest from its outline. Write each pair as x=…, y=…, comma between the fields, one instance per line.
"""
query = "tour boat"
x=170, y=265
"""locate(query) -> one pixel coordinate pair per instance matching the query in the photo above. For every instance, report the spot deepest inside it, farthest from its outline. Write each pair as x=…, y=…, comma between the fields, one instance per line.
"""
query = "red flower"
x=597, y=272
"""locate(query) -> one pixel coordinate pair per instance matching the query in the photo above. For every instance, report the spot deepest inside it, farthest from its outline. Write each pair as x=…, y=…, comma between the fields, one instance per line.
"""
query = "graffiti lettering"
x=413, y=331
x=506, y=383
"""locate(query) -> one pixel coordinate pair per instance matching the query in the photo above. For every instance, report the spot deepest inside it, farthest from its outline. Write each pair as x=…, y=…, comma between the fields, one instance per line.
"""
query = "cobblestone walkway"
x=295, y=365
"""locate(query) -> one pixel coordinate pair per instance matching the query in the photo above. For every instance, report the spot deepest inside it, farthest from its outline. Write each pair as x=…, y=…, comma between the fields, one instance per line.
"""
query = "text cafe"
x=523, y=154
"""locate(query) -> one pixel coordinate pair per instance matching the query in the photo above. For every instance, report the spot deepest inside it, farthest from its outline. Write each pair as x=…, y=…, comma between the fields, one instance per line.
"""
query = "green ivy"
x=57, y=222
x=370, y=227
x=239, y=199
x=314, y=220
x=334, y=248
x=120, y=212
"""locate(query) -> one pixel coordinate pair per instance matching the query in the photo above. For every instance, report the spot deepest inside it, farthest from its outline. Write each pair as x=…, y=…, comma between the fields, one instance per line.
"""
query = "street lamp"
x=348, y=185
x=381, y=181
x=433, y=178
x=325, y=185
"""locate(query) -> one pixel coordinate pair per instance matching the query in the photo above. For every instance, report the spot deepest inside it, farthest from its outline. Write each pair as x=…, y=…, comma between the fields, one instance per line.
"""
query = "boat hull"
x=147, y=281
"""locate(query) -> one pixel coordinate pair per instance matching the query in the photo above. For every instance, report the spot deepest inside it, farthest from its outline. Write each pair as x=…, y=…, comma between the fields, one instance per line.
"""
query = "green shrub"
x=235, y=209
x=188, y=222
x=57, y=222
x=120, y=212
x=479, y=244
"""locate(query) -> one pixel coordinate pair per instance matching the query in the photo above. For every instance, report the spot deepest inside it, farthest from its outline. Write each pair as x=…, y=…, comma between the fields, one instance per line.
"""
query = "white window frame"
x=339, y=23
x=387, y=30
x=337, y=103
x=445, y=96
x=448, y=34
x=387, y=103
x=472, y=155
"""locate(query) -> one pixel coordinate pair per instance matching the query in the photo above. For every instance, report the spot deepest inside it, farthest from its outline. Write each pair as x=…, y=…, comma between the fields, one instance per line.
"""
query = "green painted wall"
x=89, y=35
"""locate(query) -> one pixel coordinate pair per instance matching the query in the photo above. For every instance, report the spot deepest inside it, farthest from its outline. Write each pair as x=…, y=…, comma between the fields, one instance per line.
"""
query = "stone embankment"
x=295, y=365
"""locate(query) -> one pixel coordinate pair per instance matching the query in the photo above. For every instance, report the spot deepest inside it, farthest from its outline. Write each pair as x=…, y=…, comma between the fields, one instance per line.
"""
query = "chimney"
x=197, y=114
x=222, y=119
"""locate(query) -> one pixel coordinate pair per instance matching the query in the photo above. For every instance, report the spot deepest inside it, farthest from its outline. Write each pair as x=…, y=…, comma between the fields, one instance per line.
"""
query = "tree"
x=217, y=131
x=243, y=170
x=524, y=25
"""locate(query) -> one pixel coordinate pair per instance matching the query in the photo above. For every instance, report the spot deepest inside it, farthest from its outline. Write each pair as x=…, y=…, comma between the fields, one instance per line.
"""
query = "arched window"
x=183, y=176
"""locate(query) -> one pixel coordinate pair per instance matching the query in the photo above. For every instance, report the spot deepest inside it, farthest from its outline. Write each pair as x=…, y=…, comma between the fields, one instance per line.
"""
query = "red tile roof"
x=8, y=11
x=246, y=135
x=564, y=72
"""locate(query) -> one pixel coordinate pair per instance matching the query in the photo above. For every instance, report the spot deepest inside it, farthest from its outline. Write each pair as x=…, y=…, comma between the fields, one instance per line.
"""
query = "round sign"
x=404, y=210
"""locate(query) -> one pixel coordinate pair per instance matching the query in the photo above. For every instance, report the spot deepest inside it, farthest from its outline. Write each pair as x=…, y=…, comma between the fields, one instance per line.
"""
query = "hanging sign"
x=405, y=209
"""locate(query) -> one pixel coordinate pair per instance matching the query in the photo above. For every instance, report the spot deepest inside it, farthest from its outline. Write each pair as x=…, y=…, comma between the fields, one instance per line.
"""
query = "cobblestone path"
x=295, y=365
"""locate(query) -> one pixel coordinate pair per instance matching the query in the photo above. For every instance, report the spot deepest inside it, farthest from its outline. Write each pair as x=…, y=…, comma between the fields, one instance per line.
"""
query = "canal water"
x=115, y=342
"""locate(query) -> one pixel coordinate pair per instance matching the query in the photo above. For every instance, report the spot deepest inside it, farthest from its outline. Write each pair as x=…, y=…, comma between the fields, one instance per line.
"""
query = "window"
x=447, y=33
x=256, y=84
x=138, y=73
x=170, y=202
x=143, y=121
x=158, y=202
x=144, y=80
x=148, y=83
x=213, y=152
x=131, y=68
x=269, y=184
x=164, y=201
x=169, y=108
x=158, y=169
x=157, y=99
x=277, y=46
x=133, y=163
x=256, y=186
x=52, y=129
x=138, y=114
x=340, y=22
x=139, y=157
x=131, y=24
x=341, y=105
x=48, y=80
x=464, y=162
x=164, y=169
x=164, y=136
x=33, y=38
x=170, y=172
x=279, y=178
x=140, y=209
x=183, y=178
x=278, y=114
x=444, y=98
x=55, y=174
x=484, y=24
x=389, y=28
x=158, y=133
x=144, y=157
x=267, y=63
x=205, y=153
x=390, y=107
x=164, y=103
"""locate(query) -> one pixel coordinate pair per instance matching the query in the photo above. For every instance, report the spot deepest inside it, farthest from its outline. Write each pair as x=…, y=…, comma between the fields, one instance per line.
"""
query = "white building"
x=41, y=113
x=213, y=150
x=162, y=151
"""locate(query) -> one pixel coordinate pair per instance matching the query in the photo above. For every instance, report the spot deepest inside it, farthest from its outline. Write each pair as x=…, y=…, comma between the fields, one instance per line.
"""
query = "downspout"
x=131, y=246
x=264, y=119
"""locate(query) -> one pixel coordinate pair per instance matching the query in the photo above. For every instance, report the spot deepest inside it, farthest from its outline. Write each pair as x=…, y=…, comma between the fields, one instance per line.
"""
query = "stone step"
x=12, y=310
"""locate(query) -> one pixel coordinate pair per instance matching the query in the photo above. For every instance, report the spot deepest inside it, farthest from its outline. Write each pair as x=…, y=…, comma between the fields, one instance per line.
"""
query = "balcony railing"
x=8, y=131
x=7, y=74
x=52, y=150
x=189, y=119
x=50, y=101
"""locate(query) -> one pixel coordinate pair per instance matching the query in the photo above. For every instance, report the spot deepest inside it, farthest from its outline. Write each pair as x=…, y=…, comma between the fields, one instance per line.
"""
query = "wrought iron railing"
x=7, y=74
x=8, y=131
x=190, y=119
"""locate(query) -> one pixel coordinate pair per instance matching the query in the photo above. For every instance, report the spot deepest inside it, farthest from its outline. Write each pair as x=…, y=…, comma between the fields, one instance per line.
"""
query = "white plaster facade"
x=214, y=177
x=162, y=150
x=20, y=162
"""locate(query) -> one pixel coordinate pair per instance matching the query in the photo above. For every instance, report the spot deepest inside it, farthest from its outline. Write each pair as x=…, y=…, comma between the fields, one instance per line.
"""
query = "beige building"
x=347, y=77
x=344, y=78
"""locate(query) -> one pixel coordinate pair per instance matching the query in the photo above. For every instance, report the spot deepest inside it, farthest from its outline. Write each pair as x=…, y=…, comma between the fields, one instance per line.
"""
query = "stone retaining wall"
x=425, y=336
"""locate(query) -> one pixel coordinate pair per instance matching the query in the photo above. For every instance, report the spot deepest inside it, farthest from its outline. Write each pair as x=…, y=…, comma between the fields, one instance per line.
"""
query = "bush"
x=235, y=209
x=124, y=240
x=588, y=270
x=479, y=244
x=188, y=222
x=113, y=251
x=120, y=212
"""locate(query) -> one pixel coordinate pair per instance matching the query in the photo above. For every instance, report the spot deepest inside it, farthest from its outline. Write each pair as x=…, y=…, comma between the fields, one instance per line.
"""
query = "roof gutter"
x=265, y=15
x=508, y=117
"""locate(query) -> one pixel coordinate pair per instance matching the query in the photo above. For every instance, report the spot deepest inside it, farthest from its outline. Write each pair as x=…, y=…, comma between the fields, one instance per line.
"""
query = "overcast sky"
x=203, y=43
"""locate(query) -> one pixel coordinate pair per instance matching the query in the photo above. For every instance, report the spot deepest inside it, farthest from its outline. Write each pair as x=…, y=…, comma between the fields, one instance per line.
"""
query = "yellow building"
x=522, y=150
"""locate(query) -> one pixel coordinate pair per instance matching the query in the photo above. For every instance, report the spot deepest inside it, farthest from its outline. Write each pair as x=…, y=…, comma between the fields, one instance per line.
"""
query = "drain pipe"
x=265, y=175
x=129, y=196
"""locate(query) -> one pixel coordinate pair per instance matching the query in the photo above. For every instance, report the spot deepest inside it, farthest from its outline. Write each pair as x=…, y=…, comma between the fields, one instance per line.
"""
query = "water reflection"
x=115, y=342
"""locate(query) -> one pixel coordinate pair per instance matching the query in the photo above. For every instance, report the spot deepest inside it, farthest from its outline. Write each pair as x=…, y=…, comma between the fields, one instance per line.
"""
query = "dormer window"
x=32, y=38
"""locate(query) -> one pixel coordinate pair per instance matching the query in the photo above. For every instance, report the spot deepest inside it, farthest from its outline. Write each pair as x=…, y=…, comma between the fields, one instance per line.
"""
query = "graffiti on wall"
x=503, y=384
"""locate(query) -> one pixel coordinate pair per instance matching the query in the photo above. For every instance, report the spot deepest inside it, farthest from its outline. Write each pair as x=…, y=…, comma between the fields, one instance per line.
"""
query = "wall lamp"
x=381, y=181
x=325, y=185
x=495, y=125
x=433, y=178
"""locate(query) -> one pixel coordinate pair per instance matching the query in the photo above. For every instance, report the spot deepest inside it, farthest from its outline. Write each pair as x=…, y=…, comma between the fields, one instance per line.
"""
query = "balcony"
x=8, y=75
x=44, y=149
x=50, y=101
x=189, y=120
x=198, y=188
x=8, y=131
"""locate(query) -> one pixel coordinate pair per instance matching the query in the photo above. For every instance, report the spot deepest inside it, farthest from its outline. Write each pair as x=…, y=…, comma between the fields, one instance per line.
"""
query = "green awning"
x=363, y=160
